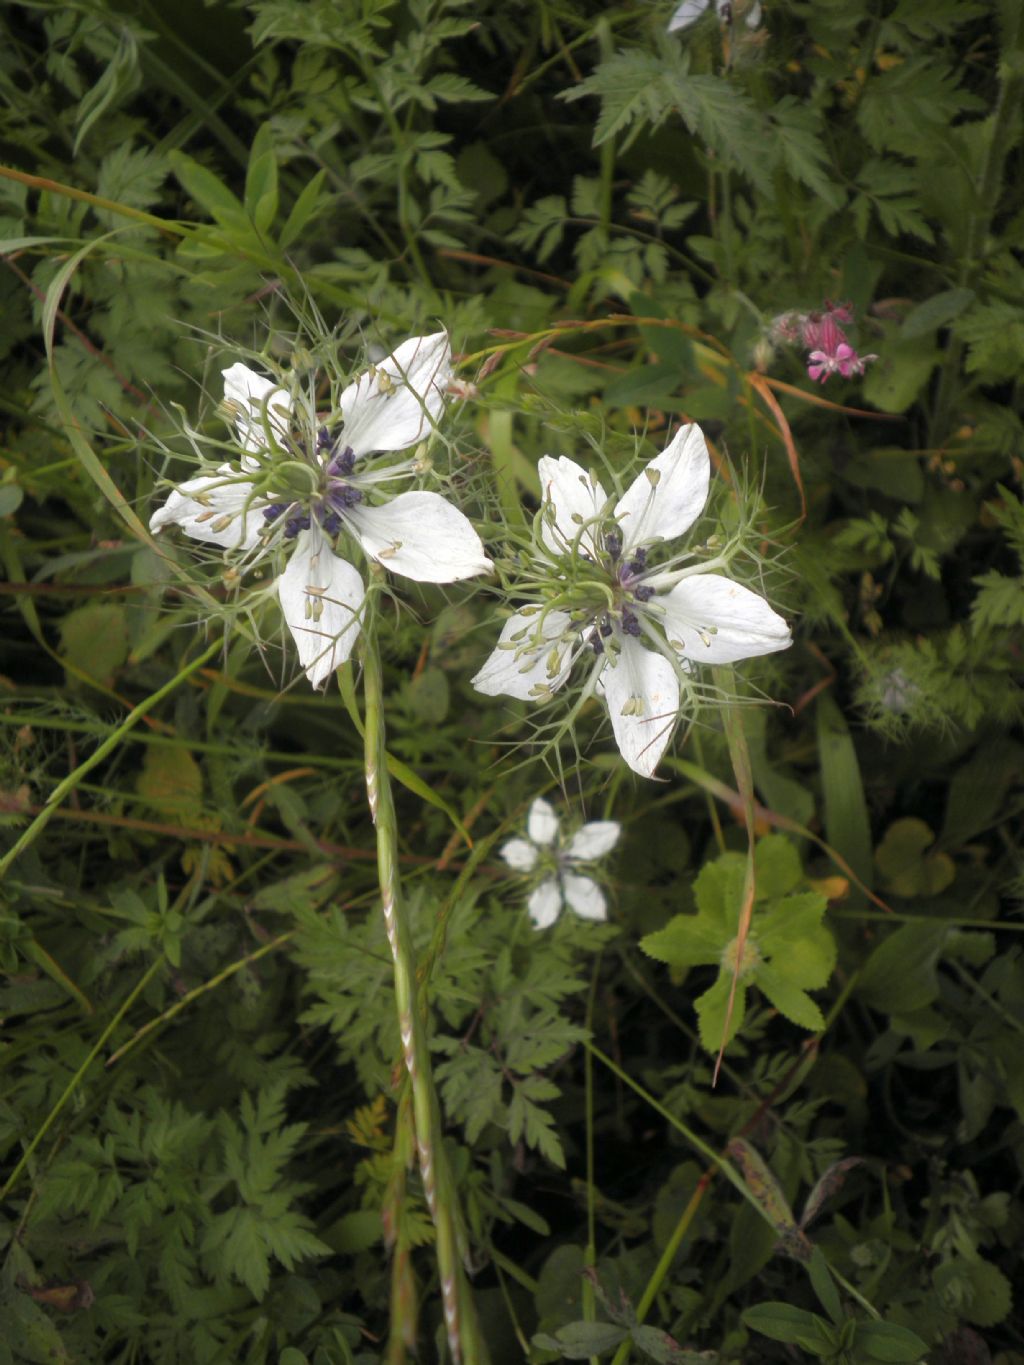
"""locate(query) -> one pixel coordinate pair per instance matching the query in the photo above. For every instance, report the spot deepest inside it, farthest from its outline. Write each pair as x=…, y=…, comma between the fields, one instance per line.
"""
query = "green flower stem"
x=65, y=788
x=665, y=1262
x=460, y=1320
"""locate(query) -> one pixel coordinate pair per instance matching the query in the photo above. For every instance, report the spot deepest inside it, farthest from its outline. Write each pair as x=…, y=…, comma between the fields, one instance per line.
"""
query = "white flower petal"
x=642, y=684
x=515, y=671
x=575, y=497
x=321, y=596
x=421, y=536
x=713, y=620
x=252, y=400
x=545, y=904
x=396, y=403
x=217, y=507
x=584, y=896
x=542, y=822
x=688, y=13
x=520, y=855
x=594, y=840
x=669, y=494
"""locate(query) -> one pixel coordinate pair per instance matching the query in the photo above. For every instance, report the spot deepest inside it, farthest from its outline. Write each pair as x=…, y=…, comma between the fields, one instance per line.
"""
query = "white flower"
x=690, y=11
x=302, y=484
x=601, y=594
x=563, y=885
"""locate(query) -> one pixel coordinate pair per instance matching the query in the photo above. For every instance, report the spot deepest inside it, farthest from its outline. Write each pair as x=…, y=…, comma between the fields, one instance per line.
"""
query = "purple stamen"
x=343, y=495
x=342, y=463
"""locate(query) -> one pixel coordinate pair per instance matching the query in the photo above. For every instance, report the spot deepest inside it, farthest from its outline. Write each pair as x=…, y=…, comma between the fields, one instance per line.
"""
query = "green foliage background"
x=201, y=1117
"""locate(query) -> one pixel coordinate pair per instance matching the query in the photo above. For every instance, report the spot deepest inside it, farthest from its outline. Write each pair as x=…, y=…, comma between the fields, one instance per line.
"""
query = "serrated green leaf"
x=975, y=1289
x=792, y=1002
x=796, y=132
x=686, y=941
x=776, y=866
x=792, y=936
x=712, y=1009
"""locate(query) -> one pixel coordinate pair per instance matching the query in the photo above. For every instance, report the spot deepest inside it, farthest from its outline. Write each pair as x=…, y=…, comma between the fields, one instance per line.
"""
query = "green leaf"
x=796, y=1005
x=94, y=638
x=578, y=1340
x=712, y=1008
x=935, y=312
x=687, y=941
x=847, y=825
x=906, y=867
x=825, y=1286
x=304, y=210
x=209, y=193
x=791, y=935
x=118, y=79
x=896, y=378
x=665, y=1349
x=783, y=1322
x=718, y=890
x=796, y=134
x=354, y=1232
x=900, y=975
x=975, y=1289
x=777, y=866
x=977, y=793
x=261, y=180
x=894, y=472
x=171, y=782
x=890, y=1342
x=761, y=1181
x=994, y=333
x=11, y=495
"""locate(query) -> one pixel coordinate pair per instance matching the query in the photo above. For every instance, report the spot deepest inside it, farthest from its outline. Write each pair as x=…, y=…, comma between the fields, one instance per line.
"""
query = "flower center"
x=628, y=591
x=334, y=493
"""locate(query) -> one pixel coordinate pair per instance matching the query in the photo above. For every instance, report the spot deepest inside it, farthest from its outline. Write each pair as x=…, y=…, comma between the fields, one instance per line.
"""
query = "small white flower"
x=303, y=485
x=646, y=624
x=563, y=885
x=690, y=11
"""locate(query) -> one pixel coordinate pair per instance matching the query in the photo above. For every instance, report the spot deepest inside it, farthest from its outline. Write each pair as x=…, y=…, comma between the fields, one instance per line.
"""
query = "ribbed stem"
x=459, y=1315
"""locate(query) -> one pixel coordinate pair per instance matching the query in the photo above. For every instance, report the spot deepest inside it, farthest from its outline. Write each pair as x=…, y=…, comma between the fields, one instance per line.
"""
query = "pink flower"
x=833, y=354
x=820, y=332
